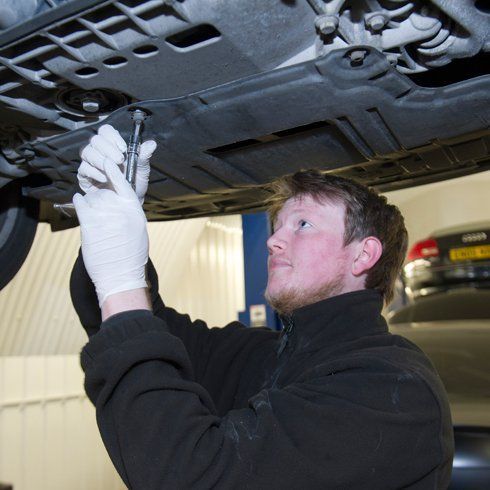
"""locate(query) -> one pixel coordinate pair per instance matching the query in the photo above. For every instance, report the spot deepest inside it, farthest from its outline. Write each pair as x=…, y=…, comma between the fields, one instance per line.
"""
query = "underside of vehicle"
x=392, y=93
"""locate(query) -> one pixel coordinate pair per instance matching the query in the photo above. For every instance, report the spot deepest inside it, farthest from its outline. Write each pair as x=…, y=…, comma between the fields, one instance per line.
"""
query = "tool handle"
x=133, y=154
x=134, y=147
x=134, y=144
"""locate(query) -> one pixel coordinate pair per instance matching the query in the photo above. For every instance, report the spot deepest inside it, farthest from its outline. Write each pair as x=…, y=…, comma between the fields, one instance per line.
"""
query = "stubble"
x=290, y=299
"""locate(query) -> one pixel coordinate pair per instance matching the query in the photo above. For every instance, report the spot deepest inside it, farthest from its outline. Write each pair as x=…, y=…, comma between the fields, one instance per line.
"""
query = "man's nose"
x=275, y=243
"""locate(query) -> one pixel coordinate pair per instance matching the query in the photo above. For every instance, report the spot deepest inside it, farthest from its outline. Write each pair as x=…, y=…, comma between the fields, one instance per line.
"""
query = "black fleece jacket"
x=334, y=401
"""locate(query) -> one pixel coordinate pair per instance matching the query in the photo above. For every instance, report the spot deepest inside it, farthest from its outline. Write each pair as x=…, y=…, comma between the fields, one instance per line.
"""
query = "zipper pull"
x=287, y=331
x=289, y=325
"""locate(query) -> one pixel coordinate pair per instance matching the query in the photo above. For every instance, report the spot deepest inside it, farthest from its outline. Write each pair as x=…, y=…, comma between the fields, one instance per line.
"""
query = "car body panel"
x=466, y=413
x=217, y=147
x=459, y=351
x=449, y=304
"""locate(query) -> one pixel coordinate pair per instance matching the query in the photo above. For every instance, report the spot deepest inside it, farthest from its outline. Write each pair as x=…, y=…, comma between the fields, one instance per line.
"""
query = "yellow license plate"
x=477, y=252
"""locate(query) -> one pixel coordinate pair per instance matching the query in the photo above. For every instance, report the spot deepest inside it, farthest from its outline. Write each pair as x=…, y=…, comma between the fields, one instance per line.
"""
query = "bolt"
x=376, y=22
x=392, y=58
x=357, y=56
x=327, y=24
x=90, y=105
x=26, y=152
x=138, y=115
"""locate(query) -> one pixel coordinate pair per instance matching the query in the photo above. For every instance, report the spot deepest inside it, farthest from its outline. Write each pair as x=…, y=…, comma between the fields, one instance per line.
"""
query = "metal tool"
x=138, y=116
x=67, y=208
x=133, y=151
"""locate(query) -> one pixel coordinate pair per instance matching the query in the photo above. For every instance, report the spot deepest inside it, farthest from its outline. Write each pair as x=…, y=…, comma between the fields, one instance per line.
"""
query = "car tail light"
x=423, y=250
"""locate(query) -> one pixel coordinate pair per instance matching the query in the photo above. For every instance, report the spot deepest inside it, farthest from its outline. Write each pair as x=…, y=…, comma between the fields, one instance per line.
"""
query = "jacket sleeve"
x=162, y=430
x=211, y=351
x=84, y=297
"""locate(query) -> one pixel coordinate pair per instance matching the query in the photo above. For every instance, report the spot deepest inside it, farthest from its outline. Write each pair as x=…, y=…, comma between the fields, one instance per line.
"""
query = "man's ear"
x=369, y=251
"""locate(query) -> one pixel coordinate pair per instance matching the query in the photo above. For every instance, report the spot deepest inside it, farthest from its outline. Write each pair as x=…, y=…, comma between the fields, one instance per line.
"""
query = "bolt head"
x=357, y=56
x=327, y=24
x=377, y=22
x=27, y=153
x=90, y=105
x=138, y=115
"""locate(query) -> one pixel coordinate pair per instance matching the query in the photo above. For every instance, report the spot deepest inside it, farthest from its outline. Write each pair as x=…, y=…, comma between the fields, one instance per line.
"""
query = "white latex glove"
x=108, y=144
x=114, y=235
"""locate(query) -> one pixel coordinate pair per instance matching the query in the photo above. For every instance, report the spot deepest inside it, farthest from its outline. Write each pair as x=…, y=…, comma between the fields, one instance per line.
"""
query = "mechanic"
x=333, y=401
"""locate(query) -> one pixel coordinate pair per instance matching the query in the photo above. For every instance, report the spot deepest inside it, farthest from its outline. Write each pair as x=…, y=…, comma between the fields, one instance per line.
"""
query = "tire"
x=18, y=223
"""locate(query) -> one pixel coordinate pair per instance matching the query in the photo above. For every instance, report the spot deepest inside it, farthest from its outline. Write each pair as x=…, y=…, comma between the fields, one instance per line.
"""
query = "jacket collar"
x=337, y=319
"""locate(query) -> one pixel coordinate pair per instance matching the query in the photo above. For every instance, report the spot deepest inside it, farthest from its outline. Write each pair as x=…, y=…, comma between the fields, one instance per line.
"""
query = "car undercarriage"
x=391, y=93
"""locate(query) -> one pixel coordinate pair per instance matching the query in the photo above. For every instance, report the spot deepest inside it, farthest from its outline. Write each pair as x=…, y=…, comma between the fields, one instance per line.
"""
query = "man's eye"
x=304, y=224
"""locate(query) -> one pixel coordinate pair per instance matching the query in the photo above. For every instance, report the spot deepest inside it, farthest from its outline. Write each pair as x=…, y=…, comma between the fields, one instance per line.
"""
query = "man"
x=334, y=401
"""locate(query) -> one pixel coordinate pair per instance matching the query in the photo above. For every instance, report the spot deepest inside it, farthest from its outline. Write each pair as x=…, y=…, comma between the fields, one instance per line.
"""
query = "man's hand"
x=108, y=145
x=114, y=235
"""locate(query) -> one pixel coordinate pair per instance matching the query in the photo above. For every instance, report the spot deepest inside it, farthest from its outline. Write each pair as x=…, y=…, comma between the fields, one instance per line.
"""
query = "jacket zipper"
x=287, y=332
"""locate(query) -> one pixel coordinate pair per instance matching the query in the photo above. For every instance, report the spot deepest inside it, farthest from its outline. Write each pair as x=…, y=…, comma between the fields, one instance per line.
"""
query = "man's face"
x=307, y=259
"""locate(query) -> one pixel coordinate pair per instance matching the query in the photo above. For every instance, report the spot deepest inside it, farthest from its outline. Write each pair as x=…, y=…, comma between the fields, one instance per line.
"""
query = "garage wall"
x=200, y=266
x=212, y=285
x=48, y=436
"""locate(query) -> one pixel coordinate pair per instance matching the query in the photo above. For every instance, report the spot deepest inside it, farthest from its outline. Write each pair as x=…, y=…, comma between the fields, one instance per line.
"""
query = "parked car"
x=449, y=258
x=392, y=93
x=453, y=329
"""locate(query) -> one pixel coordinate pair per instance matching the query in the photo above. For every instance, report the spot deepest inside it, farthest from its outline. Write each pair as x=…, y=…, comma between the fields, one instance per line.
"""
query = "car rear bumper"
x=431, y=277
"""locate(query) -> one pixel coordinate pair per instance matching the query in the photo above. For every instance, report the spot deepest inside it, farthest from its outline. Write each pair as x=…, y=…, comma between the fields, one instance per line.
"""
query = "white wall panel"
x=211, y=286
x=36, y=315
x=49, y=438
